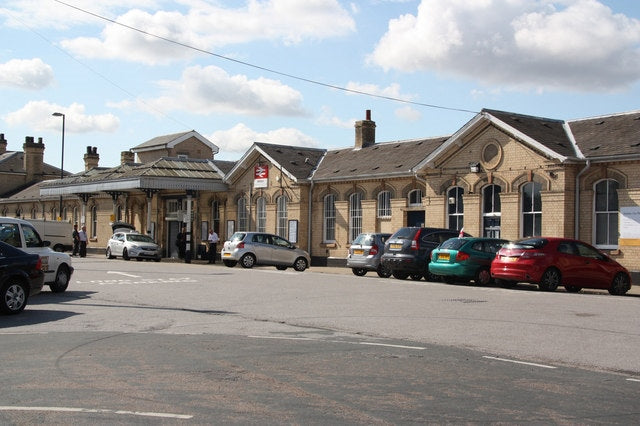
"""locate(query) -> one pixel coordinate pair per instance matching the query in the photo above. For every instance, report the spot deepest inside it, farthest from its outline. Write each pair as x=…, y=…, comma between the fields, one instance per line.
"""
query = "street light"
x=59, y=114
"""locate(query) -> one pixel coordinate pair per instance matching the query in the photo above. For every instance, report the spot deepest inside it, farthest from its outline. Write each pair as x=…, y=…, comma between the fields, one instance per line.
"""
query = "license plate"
x=443, y=256
x=226, y=254
x=358, y=251
x=395, y=246
x=510, y=258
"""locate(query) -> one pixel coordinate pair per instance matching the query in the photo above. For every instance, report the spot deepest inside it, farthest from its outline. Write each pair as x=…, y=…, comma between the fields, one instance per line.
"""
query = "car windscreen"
x=453, y=244
x=139, y=238
x=237, y=236
x=364, y=239
x=531, y=243
x=405, y=233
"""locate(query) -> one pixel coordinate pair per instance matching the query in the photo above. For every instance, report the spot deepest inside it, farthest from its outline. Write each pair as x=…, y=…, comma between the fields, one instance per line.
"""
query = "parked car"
x=259, y=248
x=365, y=253
x=551, y=262
x=59, y=233
x=408, y=251
x=21, y=277
x=464, y=259
x=133, y=245
x=56, y=266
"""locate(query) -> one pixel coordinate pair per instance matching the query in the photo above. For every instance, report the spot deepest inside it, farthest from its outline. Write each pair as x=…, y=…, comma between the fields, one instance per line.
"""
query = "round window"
x=491, y=155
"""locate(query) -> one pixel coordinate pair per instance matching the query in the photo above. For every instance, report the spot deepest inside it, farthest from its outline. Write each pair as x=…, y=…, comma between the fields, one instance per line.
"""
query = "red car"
x=550, y=262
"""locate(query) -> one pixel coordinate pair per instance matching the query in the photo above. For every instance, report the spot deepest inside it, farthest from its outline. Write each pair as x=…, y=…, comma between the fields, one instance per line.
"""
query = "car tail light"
x=39, y=264
x=373, y=250
x=532, y=254
x=240, y=245
x=462, y=256
x=415, y=243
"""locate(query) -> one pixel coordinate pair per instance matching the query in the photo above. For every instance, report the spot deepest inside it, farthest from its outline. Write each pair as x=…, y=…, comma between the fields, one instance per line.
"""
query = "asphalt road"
x=144, y=342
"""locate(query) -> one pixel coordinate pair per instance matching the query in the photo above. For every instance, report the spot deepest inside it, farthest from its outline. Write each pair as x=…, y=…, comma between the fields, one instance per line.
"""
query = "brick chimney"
x=127, y=157
x=91, y=158
x=33, y=159
x=365, y=132
x=3, y=144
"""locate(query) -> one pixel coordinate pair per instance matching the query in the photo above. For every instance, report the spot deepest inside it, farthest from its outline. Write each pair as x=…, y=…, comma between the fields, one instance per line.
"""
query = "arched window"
x=119, y=213
x=455, y=204
x=491, y=211
x=94, y=222
x=261, y=214
x=34, y=213
x=415, y=198
x=54, y=215
x=355, y=215
x=215, y=216
x=64, y=213
x=606, y=213
x=282, y=216
x=531, y=210
x=329, y=219
x=384, y=204
x=242, y=214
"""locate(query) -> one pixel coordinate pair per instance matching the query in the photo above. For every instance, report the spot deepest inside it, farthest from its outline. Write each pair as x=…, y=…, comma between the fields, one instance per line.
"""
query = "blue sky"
x=261, y=70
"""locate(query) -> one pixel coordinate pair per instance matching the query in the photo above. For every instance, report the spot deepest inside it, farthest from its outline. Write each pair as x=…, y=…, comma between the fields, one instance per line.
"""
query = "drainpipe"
x=309, y=223
x=577, y=202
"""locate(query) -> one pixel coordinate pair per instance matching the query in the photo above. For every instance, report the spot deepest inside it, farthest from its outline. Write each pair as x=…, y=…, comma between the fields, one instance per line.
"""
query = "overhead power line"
x=269, y=70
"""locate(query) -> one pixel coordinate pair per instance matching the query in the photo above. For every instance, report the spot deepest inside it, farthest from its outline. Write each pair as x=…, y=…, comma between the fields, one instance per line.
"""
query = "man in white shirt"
x=213, y=241
x=82, y=235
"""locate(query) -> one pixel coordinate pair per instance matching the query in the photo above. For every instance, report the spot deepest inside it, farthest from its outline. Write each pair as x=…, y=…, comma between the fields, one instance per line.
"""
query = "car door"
x=262, y=248
x=282, y=253
x=117, y=244
x=594, y=267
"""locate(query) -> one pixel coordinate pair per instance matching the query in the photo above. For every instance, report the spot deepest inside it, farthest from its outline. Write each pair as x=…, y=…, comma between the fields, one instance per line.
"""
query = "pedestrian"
x=213, y=242
x=82, y=236
x=76, y=240
x=181, y=242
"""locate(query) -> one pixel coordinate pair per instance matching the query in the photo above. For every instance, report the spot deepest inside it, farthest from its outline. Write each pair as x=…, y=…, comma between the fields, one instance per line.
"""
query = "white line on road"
x=519, y=362
x=634, y=380
x=123, y=273
x=92, y=410
x=338, y=341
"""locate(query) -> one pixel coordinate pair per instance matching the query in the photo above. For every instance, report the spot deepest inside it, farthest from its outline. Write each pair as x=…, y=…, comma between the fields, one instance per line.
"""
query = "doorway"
x=415, y=218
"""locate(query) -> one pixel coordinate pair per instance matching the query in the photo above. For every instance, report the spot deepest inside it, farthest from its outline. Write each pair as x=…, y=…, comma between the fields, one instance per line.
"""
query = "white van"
x=59, y=234
x=56, y=266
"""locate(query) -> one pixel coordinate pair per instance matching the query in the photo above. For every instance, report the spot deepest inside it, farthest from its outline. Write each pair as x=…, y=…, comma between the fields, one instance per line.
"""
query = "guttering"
x=576, y=213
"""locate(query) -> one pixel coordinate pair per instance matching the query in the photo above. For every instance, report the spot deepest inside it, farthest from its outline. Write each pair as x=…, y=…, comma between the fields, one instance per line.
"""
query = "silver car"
x=133, y=245
x=365, y=253
x=259, y=248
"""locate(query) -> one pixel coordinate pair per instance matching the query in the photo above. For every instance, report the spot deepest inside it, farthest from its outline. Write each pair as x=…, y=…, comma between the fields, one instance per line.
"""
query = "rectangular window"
x=329, y=218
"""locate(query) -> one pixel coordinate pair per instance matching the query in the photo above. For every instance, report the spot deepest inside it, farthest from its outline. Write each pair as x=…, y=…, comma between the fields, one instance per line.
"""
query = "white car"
x=133, y=245
x=56, y=266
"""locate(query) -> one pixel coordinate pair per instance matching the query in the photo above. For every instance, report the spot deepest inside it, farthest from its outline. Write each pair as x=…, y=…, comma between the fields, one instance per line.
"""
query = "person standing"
x=213, y=242
x=181, y=242
x=82, y=237
x=76, y=240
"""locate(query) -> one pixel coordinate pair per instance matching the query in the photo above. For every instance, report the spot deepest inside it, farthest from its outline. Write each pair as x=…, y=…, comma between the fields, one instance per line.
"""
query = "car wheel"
x=383, y=271
x=433, y=277
x=14, y=297
x=620, y=284
x=483, y=277
x=572, y=288
x=230, y=263
x=125, y=254
x=109, y=254
x=400, y=275
x=550, y=280
x=416, y=277
x=358, y=271
x=247, y=261
x=300, y=264
x=61, y=282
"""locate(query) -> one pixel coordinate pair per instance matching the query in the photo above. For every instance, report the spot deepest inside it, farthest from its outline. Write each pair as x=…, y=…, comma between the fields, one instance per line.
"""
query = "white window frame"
x=537, y=189
x=242, y=215
x=455, y=192
x=329, y=219
x=612, y=212
x=492, y=212
x=414, y=198
x=384, y=205
x=261, y=214
x=355, y=215
x=282, y=216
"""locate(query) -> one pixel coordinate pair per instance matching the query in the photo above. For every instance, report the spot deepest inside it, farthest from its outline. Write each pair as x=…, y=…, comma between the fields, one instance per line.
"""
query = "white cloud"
x=572, y=44
x=208, y=90
x=208, y=26
x=32, y=74
x=391, y=91
x=37, y=115
x=327, y=118
x=408, y=114
x=240, y=138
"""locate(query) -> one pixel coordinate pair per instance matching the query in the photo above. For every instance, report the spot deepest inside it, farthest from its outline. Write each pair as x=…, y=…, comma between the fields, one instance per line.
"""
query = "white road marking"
x=95, y=410
x=338, y=341
x=123, y=273
x=634, y=380
x=519, y=362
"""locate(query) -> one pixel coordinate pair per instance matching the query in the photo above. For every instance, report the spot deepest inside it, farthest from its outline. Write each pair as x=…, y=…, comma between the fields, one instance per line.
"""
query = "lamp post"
x=59, y=114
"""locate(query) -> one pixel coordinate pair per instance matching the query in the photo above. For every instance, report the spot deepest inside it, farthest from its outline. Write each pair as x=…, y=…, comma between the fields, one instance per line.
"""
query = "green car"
x=465, y=259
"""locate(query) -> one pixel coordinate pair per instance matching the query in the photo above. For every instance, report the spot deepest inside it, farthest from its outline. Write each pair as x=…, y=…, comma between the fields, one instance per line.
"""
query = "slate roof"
x=293, y=158
x=611, y=135
x=378, y=160
x=160, y=141
x=13, y=162
x=548, y=132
